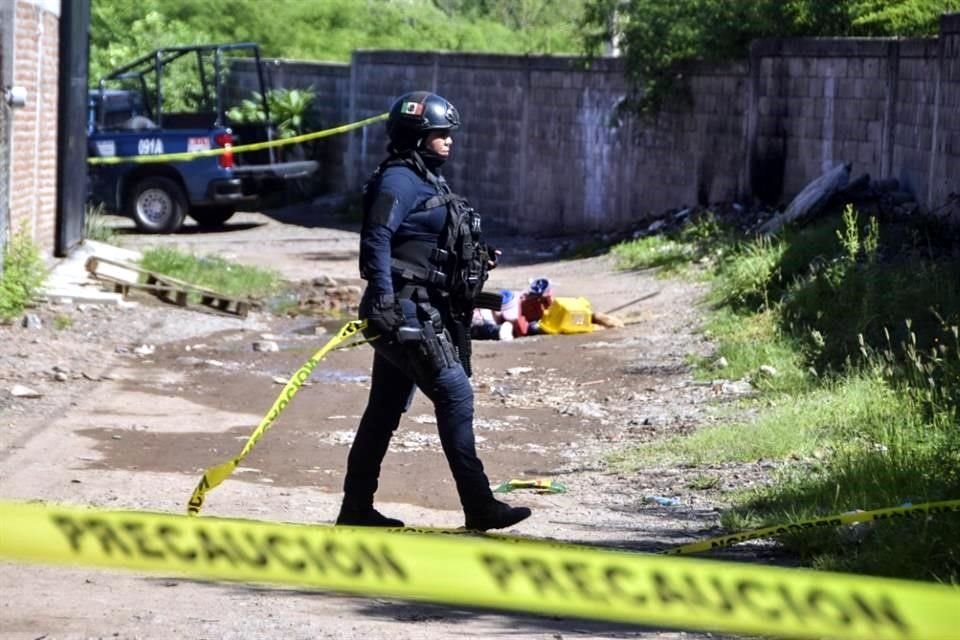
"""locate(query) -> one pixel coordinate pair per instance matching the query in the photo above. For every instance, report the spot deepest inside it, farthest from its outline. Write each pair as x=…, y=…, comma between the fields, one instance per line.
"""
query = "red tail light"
x=225, y=140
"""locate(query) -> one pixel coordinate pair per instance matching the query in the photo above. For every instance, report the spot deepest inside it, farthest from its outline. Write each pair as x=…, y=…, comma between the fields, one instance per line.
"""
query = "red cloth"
x=532, y=306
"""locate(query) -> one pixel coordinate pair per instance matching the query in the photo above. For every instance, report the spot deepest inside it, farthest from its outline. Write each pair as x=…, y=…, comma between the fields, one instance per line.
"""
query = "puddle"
x=327, y=375
x=320, y=375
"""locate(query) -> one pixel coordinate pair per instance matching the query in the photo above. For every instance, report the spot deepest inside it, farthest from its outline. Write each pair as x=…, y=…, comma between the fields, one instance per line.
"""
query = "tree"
x=333, y=29
x=655, y=36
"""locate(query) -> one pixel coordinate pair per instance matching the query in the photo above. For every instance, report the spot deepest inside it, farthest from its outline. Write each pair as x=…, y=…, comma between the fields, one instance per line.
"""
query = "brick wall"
x=33, y=144
x=542, y=150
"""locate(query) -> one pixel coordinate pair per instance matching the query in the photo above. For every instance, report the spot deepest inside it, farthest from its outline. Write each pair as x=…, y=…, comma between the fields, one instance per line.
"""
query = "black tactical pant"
x=399, y=368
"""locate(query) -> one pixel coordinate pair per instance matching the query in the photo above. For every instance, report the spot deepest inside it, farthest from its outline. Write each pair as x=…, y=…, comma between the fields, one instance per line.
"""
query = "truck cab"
x=157, y=105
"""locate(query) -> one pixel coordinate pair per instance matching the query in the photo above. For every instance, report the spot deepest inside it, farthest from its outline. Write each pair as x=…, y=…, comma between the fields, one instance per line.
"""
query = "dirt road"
x=136, y=402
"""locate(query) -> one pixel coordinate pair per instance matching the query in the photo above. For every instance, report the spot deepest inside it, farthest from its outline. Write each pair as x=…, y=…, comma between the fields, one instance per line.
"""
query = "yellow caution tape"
x=890, y=513
x=256, y=146
x=538, y=578
x=213, y=476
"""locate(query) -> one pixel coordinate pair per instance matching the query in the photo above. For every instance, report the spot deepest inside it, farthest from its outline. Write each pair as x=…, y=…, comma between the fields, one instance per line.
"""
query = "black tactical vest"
x=457, y=263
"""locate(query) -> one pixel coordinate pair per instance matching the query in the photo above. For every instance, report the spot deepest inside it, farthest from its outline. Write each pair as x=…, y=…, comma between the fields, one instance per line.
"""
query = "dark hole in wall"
x=704, y=183
x=766, y=172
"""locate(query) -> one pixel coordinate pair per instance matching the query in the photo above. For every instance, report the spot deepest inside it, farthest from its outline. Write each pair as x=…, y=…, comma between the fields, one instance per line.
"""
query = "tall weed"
x=863, y=316
x=24, y=272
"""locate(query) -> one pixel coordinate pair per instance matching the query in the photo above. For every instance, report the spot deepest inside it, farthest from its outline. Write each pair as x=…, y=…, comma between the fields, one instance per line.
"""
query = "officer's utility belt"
x=409, y=272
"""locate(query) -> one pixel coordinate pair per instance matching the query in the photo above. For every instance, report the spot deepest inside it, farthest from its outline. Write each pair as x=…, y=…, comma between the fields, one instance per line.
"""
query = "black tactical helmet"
x=416, y=113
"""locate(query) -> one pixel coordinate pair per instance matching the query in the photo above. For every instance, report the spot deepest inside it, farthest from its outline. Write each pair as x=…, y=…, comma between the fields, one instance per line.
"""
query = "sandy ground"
x=137, y=401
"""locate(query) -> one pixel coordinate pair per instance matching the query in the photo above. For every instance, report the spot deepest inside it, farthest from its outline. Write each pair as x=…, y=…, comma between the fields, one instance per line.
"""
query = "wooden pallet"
x=126, y=277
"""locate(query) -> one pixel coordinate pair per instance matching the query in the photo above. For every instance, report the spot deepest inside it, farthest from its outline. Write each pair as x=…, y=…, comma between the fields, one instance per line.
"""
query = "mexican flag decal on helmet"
x=411, y=108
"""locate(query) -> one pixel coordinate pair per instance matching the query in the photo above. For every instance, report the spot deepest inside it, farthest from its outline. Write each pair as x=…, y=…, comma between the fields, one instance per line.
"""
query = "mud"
x=133, y=427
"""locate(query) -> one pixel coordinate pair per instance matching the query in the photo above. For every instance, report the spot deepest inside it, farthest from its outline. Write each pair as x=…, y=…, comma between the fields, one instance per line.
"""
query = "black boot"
x=364, y=516
x=495, y=515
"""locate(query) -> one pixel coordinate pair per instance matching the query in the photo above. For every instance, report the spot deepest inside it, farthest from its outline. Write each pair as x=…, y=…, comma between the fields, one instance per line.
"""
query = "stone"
x=769, y=371
x=518, y=371
x=324, y=280
x=21, y=391
x=31, y=321
x=266, y=346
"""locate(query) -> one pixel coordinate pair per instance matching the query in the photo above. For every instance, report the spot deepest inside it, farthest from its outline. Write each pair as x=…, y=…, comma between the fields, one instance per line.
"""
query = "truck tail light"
x=225, y=140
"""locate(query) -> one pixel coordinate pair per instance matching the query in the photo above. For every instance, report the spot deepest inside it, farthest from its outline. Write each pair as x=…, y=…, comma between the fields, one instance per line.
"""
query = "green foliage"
x=120, y=33
x=749, y=341
x=652, y=252
x=861, y=322
x=808, y=426
x=212, y=272
x=122, y=30
x=23, y=274
x=746, y=275
x=289, y=110
x=909, y=463
x=95, y=225
x=656, y=37
x=903, y=17
x=62, y=321
x=699, y=239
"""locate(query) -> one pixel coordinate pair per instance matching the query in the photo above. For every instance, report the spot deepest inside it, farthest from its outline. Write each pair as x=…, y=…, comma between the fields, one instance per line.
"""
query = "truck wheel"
x=211, y=217
x=157, y=205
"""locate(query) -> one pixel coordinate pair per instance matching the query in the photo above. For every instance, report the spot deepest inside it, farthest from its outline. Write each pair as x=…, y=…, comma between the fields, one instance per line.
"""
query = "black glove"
x=385, y=316
x=493, y=257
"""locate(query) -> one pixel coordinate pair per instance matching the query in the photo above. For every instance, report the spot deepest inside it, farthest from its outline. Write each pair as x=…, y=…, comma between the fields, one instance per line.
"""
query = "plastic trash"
x=540, y=486
x=509, y=305
x=539, y=286
x=663, y=501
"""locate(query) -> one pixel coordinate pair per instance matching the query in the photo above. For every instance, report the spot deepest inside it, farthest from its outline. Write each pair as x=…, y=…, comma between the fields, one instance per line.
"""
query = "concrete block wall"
x=945, y=171
x=817, y=103
x=331, y=83
x=913, y=84
x=33, y=144
x=542, y=149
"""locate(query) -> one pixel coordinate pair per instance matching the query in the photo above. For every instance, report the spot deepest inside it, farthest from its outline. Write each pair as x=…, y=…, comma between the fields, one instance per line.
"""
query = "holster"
x=460, y=333
x=433, y=352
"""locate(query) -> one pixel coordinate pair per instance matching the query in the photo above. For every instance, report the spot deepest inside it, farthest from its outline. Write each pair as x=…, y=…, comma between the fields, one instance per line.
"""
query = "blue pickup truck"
x=176, y=100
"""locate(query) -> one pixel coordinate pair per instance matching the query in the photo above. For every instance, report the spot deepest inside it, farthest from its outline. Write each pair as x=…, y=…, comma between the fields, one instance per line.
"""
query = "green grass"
x=861, y=321
x=62, y=321
x=654, y=252
x=213, y=272
x=900, y=470
x=96, y=227
x=808, y=427
x=748, y=342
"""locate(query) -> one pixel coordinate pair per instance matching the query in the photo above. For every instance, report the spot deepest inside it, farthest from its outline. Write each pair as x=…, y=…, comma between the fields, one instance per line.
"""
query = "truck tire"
x=157, y=205
x=211, y=217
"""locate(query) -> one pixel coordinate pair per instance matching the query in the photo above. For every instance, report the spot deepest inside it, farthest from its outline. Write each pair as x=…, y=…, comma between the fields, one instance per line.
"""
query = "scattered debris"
x=126, y=277
x=22, y=391
x=768, y=371
x=519, y=371
x=811, y=199
x=539, y=485
x=266, y=346
x=664, y=501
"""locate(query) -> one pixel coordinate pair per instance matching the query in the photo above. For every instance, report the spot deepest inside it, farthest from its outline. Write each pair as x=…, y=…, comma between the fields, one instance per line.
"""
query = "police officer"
x=423, y=260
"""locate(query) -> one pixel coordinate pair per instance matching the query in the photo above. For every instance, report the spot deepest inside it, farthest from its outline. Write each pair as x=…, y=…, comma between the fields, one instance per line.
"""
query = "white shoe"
x=506, y=331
